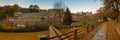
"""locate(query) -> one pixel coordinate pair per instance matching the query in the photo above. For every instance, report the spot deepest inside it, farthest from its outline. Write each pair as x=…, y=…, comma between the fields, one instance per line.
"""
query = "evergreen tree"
x=67, y=17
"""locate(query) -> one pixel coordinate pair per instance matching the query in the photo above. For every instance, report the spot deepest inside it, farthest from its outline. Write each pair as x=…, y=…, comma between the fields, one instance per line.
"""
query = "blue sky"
x=74, y=5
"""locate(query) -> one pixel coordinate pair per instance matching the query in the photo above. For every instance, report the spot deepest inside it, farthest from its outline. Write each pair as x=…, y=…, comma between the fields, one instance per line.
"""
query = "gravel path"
x=101, y=35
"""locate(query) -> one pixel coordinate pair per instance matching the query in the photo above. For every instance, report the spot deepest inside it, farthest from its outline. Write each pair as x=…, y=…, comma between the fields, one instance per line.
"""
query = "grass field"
x=26, y=36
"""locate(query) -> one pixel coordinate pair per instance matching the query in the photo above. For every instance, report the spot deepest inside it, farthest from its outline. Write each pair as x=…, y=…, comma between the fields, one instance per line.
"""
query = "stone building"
x=55, y=16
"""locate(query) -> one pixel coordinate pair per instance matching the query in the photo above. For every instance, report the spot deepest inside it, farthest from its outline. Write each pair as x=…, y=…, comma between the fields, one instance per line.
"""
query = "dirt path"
x=112, y=34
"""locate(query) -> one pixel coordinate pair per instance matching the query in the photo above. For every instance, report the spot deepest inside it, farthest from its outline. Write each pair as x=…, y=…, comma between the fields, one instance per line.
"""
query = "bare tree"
x=59, y=5
x=110, y=9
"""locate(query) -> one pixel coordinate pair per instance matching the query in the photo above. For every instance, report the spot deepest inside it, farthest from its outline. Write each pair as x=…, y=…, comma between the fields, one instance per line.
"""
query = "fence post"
x=87, y=28
x=75, y=34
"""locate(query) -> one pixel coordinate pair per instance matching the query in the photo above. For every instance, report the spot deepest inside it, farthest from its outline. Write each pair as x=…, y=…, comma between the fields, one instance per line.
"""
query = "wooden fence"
x=74, y=35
